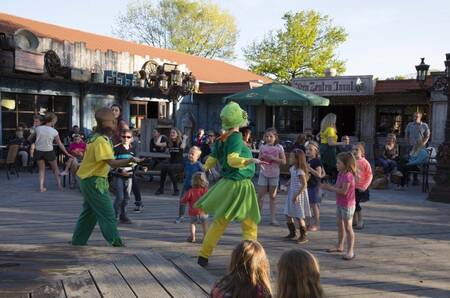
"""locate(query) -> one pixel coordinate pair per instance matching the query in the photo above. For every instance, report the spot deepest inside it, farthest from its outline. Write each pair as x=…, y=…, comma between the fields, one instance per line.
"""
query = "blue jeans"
x=388, y=164
x=123, y=191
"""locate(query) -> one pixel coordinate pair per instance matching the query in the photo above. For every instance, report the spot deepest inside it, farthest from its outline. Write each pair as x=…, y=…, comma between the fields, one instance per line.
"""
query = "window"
x=285, y=119
x=138, y=112
x=393, y=119
x=20, y=108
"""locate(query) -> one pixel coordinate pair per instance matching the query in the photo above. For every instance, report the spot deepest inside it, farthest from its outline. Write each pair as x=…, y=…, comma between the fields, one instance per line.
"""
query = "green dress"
x=234, y=196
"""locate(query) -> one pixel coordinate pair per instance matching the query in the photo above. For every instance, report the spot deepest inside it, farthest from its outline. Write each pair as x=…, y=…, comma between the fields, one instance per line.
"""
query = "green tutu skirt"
x=232, y=200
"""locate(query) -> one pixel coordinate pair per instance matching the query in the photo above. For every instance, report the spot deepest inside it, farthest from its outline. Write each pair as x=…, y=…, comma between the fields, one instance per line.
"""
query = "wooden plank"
x=14, y=295
x=54, y=290
x=139, y=279
x=198, y=274
x=81, y=286
x=168, y=276
x=110, y=282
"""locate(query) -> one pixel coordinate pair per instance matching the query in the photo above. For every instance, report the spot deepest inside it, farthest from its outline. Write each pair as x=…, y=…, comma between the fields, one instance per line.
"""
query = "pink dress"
x=273, y=168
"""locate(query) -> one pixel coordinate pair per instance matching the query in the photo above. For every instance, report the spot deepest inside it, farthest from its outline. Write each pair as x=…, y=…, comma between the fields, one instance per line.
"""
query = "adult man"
x=415, y=130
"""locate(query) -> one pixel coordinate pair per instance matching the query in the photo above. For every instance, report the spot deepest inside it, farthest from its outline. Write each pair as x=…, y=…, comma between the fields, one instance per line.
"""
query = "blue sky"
x=385, y=38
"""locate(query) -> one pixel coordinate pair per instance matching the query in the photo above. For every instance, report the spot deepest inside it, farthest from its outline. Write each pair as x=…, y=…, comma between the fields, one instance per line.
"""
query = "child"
x=198, y=189
x=45, y=136
x=249, y=273
x=123, y=176
x=93, y=174
x=363, y=181
x=345, y=201
x=317, y=172
x=269, y=175
x=234, y=196
x=299, y=275
x=191, y=166
x=345, y=147
x=297, y=202
x=77, y=149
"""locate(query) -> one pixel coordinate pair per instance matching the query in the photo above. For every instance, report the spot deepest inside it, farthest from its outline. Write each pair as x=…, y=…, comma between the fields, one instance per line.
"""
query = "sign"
x=336, y=86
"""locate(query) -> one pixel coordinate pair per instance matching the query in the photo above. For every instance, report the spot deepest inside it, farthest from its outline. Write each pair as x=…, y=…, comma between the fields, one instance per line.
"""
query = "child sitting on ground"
x=249, y=273
x=299, y=275
x=199, y=188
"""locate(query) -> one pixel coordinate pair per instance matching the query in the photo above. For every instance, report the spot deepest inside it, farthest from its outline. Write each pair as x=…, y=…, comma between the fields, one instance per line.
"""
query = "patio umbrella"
x=275, y=94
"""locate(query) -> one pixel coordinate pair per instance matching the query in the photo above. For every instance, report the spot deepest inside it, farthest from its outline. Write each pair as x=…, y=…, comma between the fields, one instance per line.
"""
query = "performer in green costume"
x=93, y=172
x=234, y=196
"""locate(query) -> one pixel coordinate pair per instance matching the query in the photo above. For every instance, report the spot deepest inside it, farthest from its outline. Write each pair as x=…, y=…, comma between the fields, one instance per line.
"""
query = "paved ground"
x=404, y=251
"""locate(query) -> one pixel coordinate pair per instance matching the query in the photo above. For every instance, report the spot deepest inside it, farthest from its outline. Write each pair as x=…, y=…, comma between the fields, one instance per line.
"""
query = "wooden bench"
x=144, y=274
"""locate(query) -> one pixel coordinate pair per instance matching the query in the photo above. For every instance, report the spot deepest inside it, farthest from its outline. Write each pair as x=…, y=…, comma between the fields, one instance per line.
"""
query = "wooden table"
x=157, y=155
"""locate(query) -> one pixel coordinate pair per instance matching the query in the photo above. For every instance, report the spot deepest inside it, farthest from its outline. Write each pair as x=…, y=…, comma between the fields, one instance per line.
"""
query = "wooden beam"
x=80, y=286
x=198, y=274
x=110, y=283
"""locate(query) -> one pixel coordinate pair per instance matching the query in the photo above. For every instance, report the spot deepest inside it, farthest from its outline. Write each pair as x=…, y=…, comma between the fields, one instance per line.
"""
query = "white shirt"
x=44, y=138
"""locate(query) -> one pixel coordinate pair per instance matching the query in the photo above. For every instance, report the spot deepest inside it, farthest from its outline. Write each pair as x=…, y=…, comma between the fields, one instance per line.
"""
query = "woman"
x=121, y=124
x=175, y=146
x=328, y=143
x=417, y=157
x=389, y=158
x=46, y=135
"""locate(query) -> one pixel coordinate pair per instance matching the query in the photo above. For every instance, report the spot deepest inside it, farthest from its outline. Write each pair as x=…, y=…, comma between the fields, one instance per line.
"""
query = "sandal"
x=190, y=239
x=347, y=258
x=331, y=250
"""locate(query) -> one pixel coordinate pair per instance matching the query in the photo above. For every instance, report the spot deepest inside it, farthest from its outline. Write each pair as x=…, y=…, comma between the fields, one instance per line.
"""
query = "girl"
x=297, y=202
x=175, y=145
x=363, y=180
x=77, y=148
x=45, y=136
x=249, y=273
x=316, y=171
x=345, y=201
x=388, y=159
x=269, y=175
x=121, y=123
x=328, y=143
x=299, y=275
x=199, y=188
x=417, y=156
x=234, y=196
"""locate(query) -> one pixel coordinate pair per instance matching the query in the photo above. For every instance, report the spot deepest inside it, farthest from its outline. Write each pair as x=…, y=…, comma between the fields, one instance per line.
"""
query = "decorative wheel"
x=52, y=62
x=150, y=67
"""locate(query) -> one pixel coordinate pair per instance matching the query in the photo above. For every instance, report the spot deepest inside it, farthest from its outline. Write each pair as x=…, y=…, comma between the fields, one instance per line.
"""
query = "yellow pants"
x=215, y=231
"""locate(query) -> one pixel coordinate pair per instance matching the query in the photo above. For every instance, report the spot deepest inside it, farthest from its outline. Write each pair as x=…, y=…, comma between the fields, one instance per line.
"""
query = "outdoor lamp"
x=175, y=77
x=152, y=81
x=422, y=71
x=162, y=79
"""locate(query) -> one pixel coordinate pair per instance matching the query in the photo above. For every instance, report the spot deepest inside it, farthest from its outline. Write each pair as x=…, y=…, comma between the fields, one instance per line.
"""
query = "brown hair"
x=348, y=160
x=103, y=114
x=362, y=147
x=126, y=130
x=299, y=275
x=301, y=139
x=49, y=117
x=274, y=132
x=249, y=269
x=313, y=145
x=300, y=161
x=199, y=180
x=178, y=139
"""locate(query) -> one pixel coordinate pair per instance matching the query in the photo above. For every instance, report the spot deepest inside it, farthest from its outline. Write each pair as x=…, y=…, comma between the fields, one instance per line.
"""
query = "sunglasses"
x=127, y=137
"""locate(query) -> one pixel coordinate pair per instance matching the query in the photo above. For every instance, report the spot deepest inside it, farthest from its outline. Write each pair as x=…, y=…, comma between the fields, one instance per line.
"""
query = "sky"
x=385, y=37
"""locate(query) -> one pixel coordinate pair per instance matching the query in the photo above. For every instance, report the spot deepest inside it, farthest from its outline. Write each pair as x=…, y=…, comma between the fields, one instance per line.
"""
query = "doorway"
x=345, y=119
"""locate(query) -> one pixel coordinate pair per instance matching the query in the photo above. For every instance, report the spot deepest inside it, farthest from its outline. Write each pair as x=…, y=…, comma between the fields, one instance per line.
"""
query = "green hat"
x=233, y=116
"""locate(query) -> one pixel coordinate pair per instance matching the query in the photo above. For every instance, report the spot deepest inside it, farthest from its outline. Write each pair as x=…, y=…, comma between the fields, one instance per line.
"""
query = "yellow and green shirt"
x=329, y=132
x=99, y=150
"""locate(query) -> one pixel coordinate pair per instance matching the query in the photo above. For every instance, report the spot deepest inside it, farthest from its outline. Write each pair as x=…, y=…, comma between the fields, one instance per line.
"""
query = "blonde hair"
x=417, y=146
x=392, y=136
x=49, y=117
x=361, y=147
x=249, y=269
x=328, y=121
x=299, y=275
x=199, y=180
x=348, y=160
x=314, y=146
x=300, y=161
x=274, y=132
x=196, y=149
x=178, y=139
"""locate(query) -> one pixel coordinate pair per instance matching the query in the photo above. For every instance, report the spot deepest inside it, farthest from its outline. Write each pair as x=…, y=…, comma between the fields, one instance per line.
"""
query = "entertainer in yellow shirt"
x=93, y=172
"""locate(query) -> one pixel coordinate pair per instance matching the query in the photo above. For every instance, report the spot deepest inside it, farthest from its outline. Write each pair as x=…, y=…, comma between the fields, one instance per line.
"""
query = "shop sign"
x=336, y=86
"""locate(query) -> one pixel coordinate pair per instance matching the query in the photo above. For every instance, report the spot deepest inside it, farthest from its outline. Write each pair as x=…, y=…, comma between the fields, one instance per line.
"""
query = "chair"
x=425, y=168
x=11, y=160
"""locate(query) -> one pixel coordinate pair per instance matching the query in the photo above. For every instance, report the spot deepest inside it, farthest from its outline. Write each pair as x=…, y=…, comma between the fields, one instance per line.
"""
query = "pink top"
x=77, y=147
x=273, y=168
x=363, y=174
x=347, y=200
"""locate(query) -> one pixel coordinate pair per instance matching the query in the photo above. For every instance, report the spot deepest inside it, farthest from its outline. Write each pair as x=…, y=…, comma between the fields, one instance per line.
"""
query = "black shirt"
x=154, y=148
x=20, y=141
x=313, y=180
x=176, y=153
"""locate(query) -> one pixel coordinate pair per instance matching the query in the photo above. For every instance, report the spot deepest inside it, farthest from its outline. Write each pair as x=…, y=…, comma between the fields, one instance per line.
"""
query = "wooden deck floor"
x=404, y=251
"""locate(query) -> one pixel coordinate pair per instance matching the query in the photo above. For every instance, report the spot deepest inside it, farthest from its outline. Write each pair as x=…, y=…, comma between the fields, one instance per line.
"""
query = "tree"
x=304, y=47
x=194, y=27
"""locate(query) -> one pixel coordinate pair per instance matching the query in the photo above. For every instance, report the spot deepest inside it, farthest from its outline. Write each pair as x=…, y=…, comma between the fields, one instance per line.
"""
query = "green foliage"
x=194, y=27
x=304, y=47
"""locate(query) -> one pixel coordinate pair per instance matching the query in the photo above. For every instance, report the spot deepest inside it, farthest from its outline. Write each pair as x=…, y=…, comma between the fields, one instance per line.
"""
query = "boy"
x=93, y=174
x=191, y=166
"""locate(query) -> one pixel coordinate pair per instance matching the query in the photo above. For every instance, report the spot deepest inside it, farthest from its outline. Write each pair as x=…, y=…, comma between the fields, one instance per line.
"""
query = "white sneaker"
x=64, y=173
